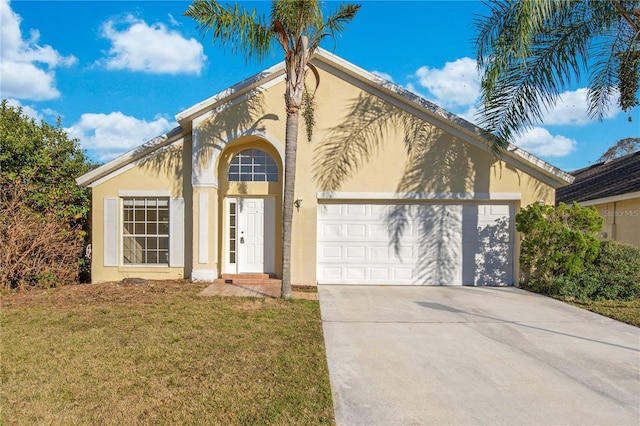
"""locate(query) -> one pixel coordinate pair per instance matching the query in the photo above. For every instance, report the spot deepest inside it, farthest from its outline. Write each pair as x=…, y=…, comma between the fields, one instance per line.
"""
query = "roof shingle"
x=614, y=177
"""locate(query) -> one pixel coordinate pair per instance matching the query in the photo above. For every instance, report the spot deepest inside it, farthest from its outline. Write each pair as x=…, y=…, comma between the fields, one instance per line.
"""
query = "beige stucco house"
x=391, y=189
x=613, y=188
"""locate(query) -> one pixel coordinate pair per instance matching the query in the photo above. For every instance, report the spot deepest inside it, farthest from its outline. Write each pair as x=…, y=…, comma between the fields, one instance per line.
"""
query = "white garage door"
x=408, y=243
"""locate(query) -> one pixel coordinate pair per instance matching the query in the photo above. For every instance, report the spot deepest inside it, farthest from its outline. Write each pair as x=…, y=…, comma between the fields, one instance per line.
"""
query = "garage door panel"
x=356, y=210
x=364, y=252
x=499, y=210
x=490, y=224
x=330, y=252
x=486, y=234
x=327, y=230
x=331, y=275
x=445, y=244
x=356, y=273
x=354, y=230
x=356, y=252
x=330, y=210
x=379, y=231
x=379, y=253
x=493, y=264
x=403, y=274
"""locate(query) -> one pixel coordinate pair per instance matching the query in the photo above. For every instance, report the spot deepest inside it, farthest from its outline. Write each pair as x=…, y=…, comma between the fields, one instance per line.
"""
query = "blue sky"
x=117, y=72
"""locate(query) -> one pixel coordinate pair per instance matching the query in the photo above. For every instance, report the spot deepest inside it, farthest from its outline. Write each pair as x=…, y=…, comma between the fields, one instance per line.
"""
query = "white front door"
x=250, y=235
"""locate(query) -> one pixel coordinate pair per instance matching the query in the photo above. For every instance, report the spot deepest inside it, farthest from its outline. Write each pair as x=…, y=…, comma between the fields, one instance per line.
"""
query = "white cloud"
x=541, y=142
x=138, y=46
x=456, y=84
x=105, y=136
x=173, y=21
x=27, y=69
x=51, y=112
x=383, y=75
x=571, y=109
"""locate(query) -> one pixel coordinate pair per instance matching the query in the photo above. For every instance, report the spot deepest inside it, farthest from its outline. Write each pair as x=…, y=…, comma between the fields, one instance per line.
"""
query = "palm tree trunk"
x=291, y=140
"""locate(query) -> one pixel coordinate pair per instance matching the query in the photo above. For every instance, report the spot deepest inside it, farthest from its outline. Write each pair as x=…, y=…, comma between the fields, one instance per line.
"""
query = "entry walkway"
x=253, y=290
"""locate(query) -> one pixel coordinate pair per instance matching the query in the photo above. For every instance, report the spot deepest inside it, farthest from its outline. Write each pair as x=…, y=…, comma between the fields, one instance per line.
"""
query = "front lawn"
x=158, y=353
x=621, y=310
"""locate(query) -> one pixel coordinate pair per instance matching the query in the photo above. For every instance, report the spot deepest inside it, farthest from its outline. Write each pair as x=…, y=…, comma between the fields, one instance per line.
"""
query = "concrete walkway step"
x=248, y=276
x=223, y=287
x=248, y=281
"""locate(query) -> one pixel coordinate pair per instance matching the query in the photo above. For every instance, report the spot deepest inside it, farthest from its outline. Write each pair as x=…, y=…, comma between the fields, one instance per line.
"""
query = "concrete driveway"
x=475, y=356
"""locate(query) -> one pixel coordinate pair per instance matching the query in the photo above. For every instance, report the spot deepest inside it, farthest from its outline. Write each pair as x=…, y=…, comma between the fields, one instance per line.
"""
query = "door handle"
x=241, y=240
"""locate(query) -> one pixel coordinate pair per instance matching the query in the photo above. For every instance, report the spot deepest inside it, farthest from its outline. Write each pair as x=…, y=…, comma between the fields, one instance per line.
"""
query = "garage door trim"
x=426, y=196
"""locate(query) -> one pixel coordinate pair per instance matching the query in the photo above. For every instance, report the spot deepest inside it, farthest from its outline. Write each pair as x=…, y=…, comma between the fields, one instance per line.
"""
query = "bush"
x=43, y=212
x=614, y=275
x=39, y=249
x=560, y=255
x=558, y=241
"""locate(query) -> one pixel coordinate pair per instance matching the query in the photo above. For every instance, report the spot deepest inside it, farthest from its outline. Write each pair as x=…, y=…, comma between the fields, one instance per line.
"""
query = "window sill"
x=145, y=268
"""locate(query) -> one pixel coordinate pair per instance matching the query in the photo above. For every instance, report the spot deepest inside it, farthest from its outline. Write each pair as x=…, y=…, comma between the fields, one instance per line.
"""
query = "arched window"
x=252, y=165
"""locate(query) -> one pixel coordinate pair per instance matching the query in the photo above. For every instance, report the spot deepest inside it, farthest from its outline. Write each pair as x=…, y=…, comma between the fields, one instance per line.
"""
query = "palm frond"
x=245, y=30
x=296, y=15
x=335, y=23
x=602, y=82
x=530, y=51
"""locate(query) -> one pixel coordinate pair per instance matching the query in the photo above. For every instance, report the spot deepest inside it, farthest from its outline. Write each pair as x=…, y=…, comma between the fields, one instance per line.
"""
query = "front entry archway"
x=250, y=235
x=250, y=175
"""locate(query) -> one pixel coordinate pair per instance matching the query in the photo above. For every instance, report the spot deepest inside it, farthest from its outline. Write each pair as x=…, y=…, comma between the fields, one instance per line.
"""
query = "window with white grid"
x=145, y=228
x=252, y=165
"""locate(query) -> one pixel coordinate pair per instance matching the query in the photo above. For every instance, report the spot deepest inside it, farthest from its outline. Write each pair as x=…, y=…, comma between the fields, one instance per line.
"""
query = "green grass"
x=160, y=354
x=624, y=311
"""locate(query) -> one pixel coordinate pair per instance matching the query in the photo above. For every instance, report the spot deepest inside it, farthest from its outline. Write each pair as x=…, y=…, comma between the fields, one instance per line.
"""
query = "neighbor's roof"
x=341, y=68
x=611, y=178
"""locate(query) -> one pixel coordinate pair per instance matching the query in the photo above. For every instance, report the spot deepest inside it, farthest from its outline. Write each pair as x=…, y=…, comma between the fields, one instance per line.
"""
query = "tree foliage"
x=531, y=50
x=45, y=161
x=42, y=210
x=623, y=147
x=557, y=240
x=296, y=27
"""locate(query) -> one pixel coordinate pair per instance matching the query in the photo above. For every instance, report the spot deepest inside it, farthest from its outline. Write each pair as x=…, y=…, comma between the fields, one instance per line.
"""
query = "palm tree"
x=297, y=27
x=531, y=49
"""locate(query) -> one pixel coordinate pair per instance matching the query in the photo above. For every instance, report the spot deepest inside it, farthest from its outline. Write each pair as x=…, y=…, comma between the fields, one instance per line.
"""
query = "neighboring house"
x=613, y=187
x=391, y=190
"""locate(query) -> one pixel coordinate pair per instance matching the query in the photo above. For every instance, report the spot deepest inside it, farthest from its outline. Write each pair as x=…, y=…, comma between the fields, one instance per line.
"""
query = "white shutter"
x=110, y=254
x=176, y=232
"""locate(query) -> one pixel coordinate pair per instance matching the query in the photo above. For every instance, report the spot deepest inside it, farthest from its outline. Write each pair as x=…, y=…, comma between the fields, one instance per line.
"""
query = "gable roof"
x=613, y=178
x=333, y=64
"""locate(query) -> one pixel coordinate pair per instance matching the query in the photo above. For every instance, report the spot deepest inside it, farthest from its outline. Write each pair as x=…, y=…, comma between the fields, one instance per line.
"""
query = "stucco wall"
x=621, y=221
x=161, y=172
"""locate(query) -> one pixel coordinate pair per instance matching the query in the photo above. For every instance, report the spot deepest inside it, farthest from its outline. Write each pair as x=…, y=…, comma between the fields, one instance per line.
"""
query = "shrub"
x=558, y=241
x=617, y=270
x=43, y=212
x=39, y=249
x=614, y=275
